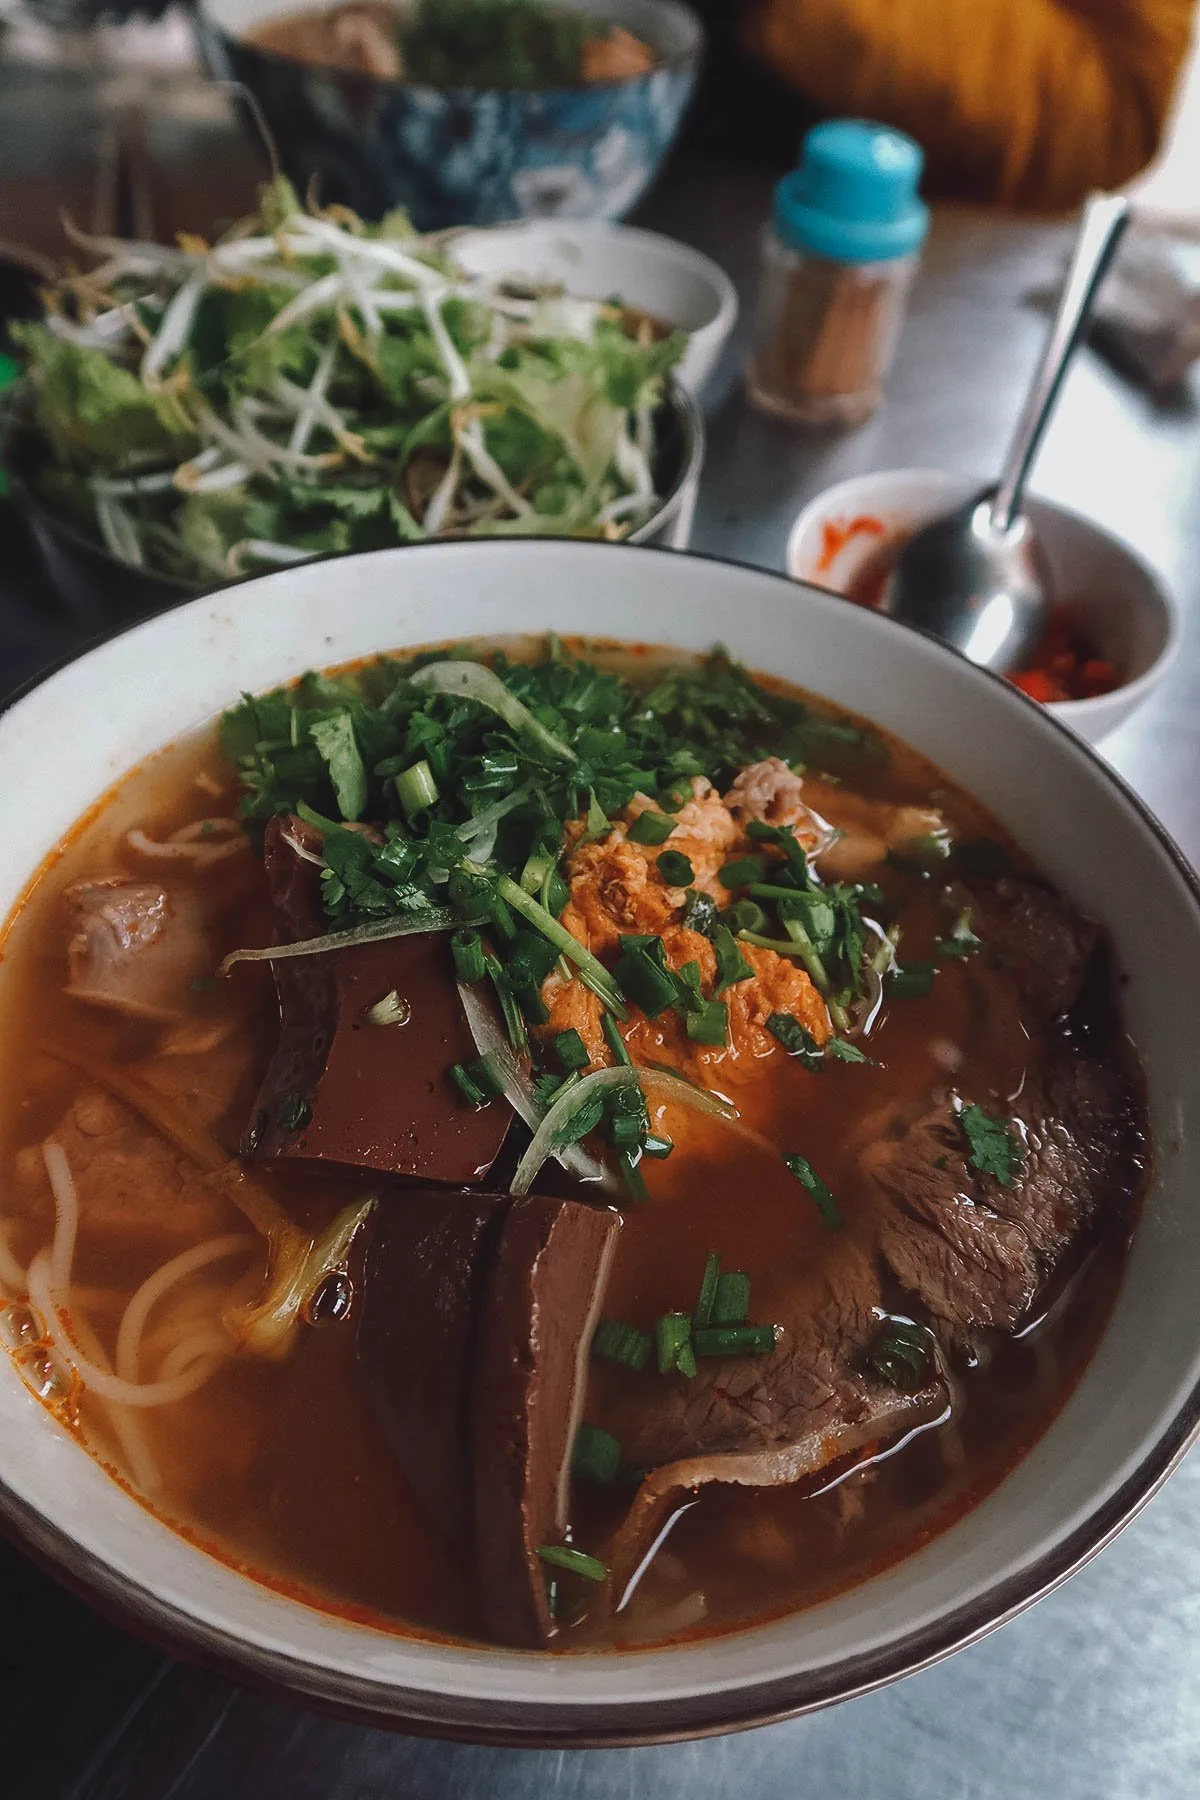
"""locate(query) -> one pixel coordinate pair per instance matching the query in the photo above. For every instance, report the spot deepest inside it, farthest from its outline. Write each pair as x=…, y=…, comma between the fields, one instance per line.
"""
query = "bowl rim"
x=683, y=59
x=767, y=1699
x=1129, y=694
x=640, y=236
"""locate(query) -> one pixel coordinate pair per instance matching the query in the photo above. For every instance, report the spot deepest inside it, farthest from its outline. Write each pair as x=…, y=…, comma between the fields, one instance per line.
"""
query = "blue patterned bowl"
x=465, y=156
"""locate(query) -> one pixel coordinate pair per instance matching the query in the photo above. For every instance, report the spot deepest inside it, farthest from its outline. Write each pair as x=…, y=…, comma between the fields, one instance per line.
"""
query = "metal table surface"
x=1092, y=1695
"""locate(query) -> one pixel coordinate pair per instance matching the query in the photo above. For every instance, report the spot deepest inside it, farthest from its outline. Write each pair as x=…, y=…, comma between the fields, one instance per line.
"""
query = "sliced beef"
x=340, y=1089
x=1084, y=1150
x=969, y=1266
x=541, y=1305
x=428, y=1261
x=766, y=1421
x=136, y=946
x=974, y=1251
x=1045, y=945
x=884, y=1414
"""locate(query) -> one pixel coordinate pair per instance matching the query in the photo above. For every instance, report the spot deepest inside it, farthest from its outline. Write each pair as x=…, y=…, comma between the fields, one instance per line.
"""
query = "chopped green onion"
x=901, y=1354
x=596, y=1455
x=673, y=1336
x=676, y=868
x=477, y=1081
x=592, y=972
x=622, y=1344
x=735, y=1340
x=731, y=1305
x=912, y=982
x=468, y=956
x=745, y=917
x=576, y=1562
x=708, y=1291
x=501, y=919
x=742, y=872
x=514, y=1024
x=650, y=828
x=530, y=1001
x=657, y=1147
x=631, y=1175
x=416, y=789
x=674, y=799
x=391, y=1010
x=626, y=1132
x=536, y=869
x=614, y=1040
x=807, y=1176
x=571, y=1051
x=474, y=681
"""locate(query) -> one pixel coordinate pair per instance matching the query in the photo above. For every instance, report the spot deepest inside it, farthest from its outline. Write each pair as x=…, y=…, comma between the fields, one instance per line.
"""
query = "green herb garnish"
x=676, y=869
x=650, y=828
x=996, y=1147
x=622, y=1344
x=575, y=1562
x=807, y=1176
x=596, y=1455
x=673, y=1334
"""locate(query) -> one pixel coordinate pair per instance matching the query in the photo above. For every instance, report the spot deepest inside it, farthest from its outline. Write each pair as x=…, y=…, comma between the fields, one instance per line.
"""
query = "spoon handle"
x=1104, y=220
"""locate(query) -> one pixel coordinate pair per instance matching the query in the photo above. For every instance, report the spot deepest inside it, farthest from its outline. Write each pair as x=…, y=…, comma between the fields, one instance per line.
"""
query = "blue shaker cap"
x=853, y=196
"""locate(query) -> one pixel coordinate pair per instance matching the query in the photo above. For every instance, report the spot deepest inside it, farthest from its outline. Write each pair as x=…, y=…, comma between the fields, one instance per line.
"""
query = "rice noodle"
x=66, y=1215
x=91, y=1373
x=190, y=1350
x=203, y=842
x=127, y=1427
x=153, y=1289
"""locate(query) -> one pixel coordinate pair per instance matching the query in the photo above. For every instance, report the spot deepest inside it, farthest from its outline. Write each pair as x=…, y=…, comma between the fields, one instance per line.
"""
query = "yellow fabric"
x=1030, y=102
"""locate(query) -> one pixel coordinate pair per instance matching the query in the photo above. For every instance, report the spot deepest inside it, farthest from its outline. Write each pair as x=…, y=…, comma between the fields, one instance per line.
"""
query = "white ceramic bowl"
x=668, y=280
x=1137, y=1405
x=1118, y=600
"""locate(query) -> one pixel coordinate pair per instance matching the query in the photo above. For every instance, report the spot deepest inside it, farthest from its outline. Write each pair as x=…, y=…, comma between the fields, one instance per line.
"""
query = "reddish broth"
x=279, y=1468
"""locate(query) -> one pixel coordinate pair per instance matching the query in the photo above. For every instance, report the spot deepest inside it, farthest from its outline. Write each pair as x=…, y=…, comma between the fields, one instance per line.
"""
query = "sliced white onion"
x=475, y=681
x=491, y=1042
x=491, y=816
x=433, y=918
x=673, y=1087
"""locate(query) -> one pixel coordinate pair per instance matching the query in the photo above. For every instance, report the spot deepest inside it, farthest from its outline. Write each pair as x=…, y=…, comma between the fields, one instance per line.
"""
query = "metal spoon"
x=978, y=577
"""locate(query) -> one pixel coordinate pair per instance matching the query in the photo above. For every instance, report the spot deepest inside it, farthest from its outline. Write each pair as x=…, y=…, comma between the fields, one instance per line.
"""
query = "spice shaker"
x=838, y=256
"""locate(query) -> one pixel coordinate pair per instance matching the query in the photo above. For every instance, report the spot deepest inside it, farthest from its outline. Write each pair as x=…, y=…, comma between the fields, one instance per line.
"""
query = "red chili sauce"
x=1066, y=665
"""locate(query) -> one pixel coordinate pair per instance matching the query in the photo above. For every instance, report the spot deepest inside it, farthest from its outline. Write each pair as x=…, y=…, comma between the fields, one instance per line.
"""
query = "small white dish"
x=1117, y=599
x=594, y=260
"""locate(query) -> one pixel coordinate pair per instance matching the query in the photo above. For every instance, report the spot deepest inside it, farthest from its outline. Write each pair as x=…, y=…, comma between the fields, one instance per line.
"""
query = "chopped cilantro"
x=996, y=1147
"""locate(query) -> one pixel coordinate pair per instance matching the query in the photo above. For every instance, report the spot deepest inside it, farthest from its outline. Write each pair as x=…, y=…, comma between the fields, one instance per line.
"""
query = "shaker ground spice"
x=838, y=255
